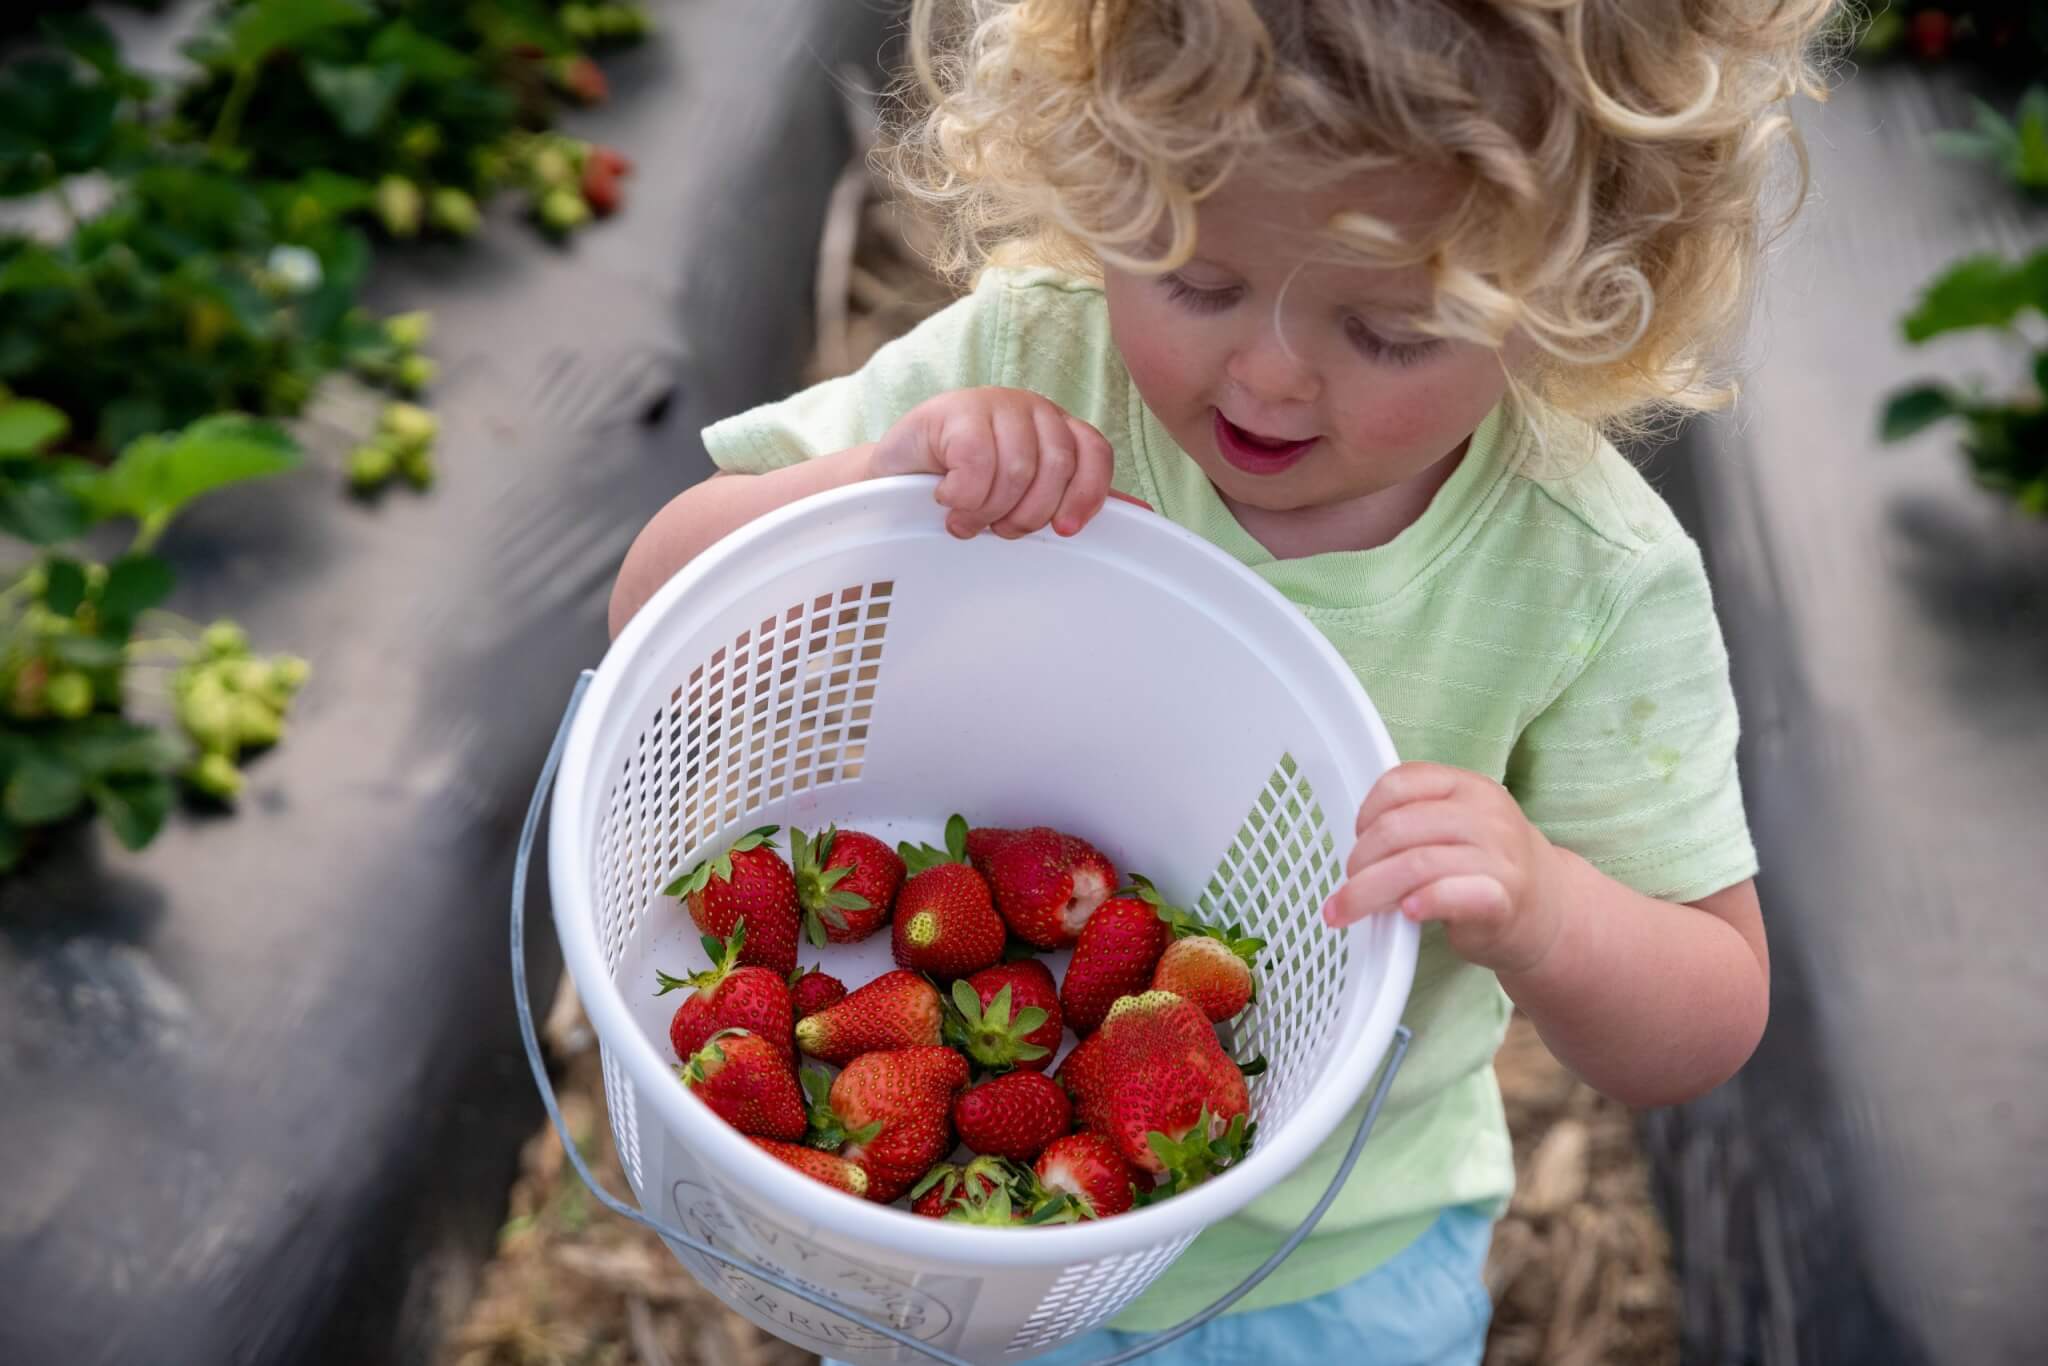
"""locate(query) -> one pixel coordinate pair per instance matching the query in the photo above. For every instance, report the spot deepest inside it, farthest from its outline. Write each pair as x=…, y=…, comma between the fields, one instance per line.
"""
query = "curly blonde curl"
x=1614, y=161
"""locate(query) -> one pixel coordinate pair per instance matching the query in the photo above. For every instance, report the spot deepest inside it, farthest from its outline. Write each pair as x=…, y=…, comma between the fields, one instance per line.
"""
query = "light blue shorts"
x=1427, y=1306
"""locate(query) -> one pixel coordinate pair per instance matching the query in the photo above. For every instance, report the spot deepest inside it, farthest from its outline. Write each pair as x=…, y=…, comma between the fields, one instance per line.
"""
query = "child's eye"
x=1374, y=347
x=1197, y=299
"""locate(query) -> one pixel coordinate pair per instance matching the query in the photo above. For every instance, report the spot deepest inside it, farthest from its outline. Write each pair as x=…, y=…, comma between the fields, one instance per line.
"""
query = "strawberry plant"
x=2005, y=438
x=83, y=642
x=2018, y=146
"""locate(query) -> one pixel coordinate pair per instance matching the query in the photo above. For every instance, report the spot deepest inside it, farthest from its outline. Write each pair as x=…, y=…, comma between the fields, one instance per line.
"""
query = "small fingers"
x=1056, y=460
x=1386, y=884
x=1094, y=468
x=1444, y=821
x=1404, y=783
x=968, y=452
x=1463, y=897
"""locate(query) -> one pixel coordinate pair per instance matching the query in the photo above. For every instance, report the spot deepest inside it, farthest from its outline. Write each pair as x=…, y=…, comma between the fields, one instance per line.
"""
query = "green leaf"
x=966, y=1000
x=27, y=426
x=1028, y=1019
x=1968, y=144
x=1910, y=410
x=956, y=837
x=87, y=652
x=109, y=747
x=428, y=59
x=39, y=510
x=996, y=1014
x=12, y=846
x=35, y=267
x=157, y=475
x=42, y=789
x=1979, y=291
x=844, y=901
x=2041, y=372
x=134, y=808
x=262, y=28
x=359, y=97
x=135, y=583
x=65, y=590
x=87, y=38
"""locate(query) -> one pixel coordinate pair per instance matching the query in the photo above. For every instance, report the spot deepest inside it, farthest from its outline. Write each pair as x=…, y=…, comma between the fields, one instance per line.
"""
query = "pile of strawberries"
x=953, y=1046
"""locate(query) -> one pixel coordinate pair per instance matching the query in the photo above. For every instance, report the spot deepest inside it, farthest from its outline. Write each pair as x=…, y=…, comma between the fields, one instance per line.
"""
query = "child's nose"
x=1266, y=368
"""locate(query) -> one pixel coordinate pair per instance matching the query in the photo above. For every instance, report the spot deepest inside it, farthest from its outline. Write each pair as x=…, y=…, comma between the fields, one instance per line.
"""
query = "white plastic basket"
x=845, y=660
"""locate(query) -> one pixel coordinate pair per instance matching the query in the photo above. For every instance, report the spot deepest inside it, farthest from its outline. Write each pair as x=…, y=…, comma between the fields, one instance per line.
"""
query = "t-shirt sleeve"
x=1633, y=765
x=955, y=348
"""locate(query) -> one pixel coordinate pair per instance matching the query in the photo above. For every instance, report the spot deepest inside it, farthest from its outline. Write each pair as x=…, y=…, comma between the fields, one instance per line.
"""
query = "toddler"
x=1360, y=291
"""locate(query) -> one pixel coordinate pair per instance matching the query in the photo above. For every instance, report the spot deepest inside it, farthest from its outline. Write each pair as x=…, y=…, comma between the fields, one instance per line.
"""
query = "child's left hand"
x=1439, y=843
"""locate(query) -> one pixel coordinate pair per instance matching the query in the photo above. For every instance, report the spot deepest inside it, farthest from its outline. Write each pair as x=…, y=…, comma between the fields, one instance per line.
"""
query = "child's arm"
x=1011, y=461
x=1650, y=1002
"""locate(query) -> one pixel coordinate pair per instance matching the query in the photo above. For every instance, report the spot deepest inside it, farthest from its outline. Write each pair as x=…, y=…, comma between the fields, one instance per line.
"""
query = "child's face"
x=1291, y=379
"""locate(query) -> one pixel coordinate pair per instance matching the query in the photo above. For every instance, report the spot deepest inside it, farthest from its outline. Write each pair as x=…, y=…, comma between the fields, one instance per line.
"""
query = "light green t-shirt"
x=1552, y=633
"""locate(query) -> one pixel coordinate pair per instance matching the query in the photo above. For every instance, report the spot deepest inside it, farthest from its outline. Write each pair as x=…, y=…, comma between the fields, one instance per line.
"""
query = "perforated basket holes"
x=782, y=709
x=1087, y=1293
x=618, y=1098
x=1280, y=868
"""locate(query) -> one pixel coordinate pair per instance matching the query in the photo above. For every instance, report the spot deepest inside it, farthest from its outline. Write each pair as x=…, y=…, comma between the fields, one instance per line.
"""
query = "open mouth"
x=1254, y=453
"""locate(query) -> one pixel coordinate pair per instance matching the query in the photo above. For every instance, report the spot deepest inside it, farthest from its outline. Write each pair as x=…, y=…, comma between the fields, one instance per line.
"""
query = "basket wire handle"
x=528, y=1036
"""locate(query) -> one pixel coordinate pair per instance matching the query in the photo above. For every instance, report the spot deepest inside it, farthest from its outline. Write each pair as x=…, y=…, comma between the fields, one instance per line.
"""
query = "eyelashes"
x=1363, y=339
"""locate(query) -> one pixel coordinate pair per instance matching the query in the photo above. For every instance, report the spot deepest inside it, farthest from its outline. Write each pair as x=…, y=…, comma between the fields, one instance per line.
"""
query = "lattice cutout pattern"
x=619, y=1100
x=1279, y=870
x=783, y=709
x=1089, y=1293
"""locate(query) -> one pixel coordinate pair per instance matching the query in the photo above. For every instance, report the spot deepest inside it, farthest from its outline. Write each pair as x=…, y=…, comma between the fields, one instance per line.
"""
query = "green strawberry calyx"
x=720, y=866
x=817, y=886
x=697, y=1070
x=918, y=858
x=990, y=1035
x=828, y=1131
x=985, y=1191
x=1195, y=1157
x=724, y=955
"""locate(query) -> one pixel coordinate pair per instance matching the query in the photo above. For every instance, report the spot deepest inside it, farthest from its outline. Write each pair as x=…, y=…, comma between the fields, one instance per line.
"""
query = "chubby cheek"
x=1427, y=409
x=1159, y=348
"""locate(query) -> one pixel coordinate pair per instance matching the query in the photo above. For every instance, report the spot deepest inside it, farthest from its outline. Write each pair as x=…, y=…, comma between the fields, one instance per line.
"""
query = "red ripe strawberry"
x=896, y=1010
x=1211, y=967
x=582, y=80
x=890, y=1113
x=846, y=883
x=833, y=1170
x=747, y=882
x=1014, y=1115
x=610, y=158
x=982, y=1192
x=814, y=991
x=728, y=996
x=1081, y=1075
x=601, y=190
x=1046, y=884
x=946, y=922
x=1178, y=1107
x=1931, y=32
x=1090, y=1172
x=1119, y=947
x=1007, y=1016
x=748, y=1083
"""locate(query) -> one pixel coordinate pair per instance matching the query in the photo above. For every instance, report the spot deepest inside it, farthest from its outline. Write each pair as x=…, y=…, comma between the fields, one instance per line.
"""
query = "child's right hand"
x=1009, y=460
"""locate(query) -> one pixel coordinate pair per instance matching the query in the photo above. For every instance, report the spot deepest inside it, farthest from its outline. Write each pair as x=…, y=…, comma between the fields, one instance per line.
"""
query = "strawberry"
x=813, y=991
x=846, y=883
x=1119, y=947
x=1014, y=1115
x=833, y=1170
x=1209, y=966
x=1046, y=884
x=946, y=922
x=896, y=1010
x=982, y=1192
x=1007, y=1016
x=1177, y=1103
x=610, y=158
x=729, y=996
x=1089, y=1171
x=750, y=882
x=1082, y=1077
x=748, y=1083
x=890, y=1113
x=601, y=190
x=581, y=80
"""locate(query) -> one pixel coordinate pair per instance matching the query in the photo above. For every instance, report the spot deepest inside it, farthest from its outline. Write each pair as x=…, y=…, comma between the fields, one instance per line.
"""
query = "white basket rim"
x=1277, y=1154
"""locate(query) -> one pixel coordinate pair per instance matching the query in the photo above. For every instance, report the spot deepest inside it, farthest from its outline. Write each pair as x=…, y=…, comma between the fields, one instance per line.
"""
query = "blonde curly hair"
x=1613, y=161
